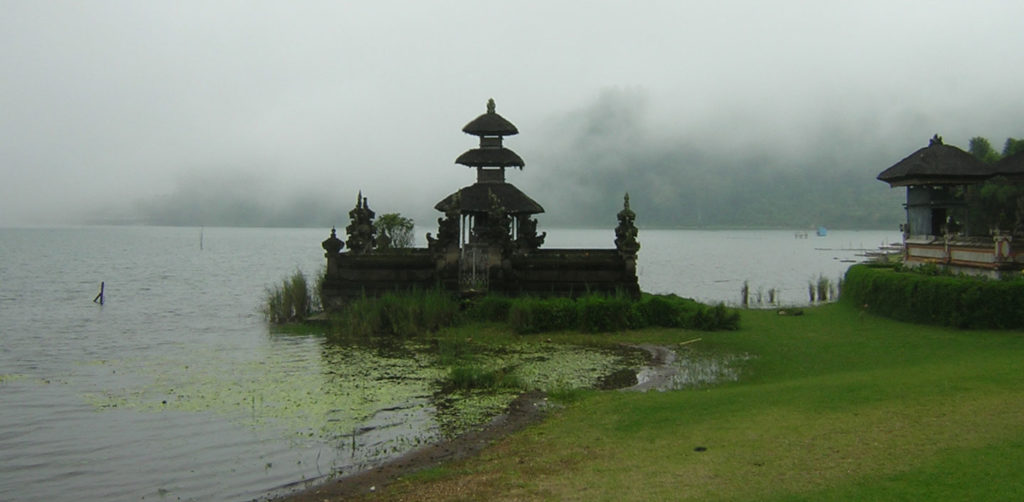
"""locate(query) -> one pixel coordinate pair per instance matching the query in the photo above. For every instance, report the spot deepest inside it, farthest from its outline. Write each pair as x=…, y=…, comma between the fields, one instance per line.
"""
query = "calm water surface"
x=175, y=388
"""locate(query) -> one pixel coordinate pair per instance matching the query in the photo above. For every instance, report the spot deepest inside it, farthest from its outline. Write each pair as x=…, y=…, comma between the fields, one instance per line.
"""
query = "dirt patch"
x=528, y=408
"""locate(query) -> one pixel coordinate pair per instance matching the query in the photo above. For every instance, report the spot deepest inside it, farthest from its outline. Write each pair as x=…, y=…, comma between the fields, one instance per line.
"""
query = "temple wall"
x=559, y=272
x=354, y=275
x=572, y=272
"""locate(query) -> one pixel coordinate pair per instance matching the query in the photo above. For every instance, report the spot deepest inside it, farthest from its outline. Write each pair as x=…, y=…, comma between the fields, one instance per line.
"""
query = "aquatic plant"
x=476, y=377
x=290, y=301
x=824, y=287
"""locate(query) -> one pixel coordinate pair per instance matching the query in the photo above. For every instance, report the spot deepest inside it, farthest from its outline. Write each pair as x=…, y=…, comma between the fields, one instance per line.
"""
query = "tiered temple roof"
x=490, y=160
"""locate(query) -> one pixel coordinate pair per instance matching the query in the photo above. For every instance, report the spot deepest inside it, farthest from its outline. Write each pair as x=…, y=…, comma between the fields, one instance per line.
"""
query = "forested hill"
x=699, y=174
x=672, y=196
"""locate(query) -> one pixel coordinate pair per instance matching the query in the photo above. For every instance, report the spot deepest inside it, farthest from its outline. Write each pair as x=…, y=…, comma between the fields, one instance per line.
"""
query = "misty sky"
x=108, y=108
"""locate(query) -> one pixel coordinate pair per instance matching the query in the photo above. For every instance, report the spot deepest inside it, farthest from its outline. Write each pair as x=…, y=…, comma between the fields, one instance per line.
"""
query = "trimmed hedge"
x=963, y=302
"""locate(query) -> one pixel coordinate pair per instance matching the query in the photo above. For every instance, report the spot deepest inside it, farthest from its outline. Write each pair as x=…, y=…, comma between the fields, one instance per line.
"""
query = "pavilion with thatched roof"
x=953, y=219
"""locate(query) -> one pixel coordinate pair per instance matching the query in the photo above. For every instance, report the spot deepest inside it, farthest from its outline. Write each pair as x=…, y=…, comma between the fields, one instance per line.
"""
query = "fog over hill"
x=741, y=113
x=681, y=174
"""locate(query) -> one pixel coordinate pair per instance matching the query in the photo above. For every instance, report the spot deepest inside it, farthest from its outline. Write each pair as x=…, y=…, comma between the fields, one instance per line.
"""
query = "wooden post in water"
x=99, y=297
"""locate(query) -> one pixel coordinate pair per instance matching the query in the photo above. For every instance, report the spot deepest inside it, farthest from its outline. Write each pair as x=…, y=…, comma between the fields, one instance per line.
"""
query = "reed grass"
x=289, y=301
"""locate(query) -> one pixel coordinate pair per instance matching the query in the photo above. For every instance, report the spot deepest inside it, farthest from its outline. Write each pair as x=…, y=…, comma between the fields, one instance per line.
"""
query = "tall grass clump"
x=824, y=287
x=407, y=313
x=290, y=301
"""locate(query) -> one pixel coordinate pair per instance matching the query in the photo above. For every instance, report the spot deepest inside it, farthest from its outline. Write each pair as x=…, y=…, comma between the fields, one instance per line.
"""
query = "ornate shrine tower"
x=493, y=212
x=486, y=241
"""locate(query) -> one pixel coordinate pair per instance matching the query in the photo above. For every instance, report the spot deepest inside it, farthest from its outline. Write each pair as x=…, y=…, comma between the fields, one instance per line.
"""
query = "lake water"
x=175, y=389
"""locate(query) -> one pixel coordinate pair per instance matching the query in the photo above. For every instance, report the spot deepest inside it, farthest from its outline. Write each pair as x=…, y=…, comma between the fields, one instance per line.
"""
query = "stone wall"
x=558, y=272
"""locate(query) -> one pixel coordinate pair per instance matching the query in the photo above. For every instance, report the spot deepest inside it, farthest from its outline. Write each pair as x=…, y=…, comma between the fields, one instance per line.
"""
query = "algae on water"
x=313, y=390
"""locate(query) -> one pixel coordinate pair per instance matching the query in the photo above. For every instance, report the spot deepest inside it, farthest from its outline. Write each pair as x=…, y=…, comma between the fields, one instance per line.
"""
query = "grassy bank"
x=834, y=405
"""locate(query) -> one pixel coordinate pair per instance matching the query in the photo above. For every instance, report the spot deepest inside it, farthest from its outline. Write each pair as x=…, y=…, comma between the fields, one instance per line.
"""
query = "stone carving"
x=447, y=229
x=527, y=239
x=625, y=233
x=361, y=234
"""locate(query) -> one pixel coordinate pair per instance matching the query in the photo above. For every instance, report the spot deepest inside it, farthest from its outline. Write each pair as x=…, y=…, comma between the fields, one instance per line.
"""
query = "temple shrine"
x=962, y=214
x=486, y=240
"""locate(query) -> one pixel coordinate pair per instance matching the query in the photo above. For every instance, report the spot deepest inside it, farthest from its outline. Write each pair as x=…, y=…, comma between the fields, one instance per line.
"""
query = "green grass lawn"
x=832, y=405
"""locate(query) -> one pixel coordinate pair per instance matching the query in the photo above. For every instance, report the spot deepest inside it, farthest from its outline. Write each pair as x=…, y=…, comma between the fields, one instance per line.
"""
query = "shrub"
x=671, y=311
x=965, y=302
x=658, y=310
x=492, y=308
x=596, y=313
x=534, y=315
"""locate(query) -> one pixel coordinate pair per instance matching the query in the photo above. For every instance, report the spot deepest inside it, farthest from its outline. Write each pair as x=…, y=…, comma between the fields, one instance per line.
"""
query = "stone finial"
x=490, y=105
x=333, y=244
x=936, y=140
x=361, y=233
x=625, y=233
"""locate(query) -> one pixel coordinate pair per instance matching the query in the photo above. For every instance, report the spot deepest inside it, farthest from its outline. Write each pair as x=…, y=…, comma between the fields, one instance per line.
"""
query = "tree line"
x=982, y=149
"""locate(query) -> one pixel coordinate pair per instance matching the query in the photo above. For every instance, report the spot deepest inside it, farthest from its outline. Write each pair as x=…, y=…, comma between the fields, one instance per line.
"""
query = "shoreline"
x=527, y=409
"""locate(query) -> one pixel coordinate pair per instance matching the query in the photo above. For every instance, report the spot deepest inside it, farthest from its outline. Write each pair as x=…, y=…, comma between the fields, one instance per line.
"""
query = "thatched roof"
x=936, y=164
x=490, y=124
x=476, y=198
x=490, y=157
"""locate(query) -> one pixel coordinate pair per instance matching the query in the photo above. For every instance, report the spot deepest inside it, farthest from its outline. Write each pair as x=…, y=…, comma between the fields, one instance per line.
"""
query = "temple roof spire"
x=490, y=160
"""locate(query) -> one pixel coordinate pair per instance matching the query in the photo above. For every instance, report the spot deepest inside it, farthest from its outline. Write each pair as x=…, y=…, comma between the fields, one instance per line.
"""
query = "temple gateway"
x=486, y=240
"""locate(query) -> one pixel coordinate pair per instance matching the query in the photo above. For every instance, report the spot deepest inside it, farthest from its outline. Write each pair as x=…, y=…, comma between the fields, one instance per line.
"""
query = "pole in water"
x=99, y=297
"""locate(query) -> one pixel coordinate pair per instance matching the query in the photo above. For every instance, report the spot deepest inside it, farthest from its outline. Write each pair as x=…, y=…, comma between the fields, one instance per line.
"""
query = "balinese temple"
x=949, y=223
x=490, y=160
x=486, y=241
